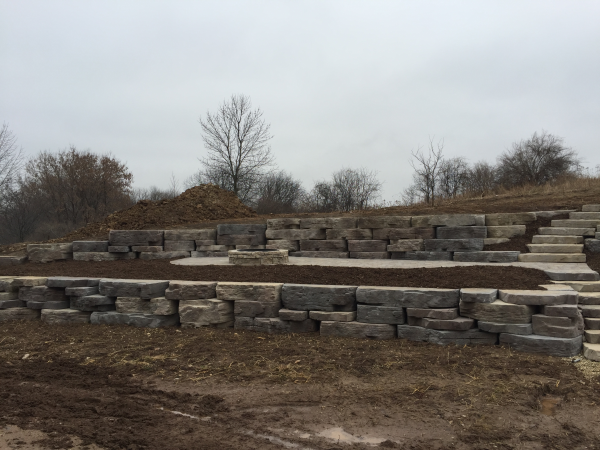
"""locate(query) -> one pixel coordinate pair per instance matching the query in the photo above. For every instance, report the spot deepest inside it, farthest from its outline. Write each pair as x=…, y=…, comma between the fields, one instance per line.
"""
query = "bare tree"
x=482, y=178
x=348, y=190
x=20, y=213
x=427, y=167
x=11, y=158
x=279, y=193
x=453, y=175
x=237, y=141
x=541, y=158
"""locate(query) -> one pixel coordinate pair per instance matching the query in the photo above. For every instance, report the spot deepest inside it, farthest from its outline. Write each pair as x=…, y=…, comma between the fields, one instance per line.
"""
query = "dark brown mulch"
x=519, y=243
x=593, y=260
x=504, y=277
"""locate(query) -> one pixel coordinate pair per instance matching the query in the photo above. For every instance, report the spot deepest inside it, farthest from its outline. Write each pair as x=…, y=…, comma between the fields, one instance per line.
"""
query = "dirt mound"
x=198, y=204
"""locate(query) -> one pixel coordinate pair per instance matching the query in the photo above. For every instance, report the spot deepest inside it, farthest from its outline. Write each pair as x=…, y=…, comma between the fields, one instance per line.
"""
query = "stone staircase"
x=563, y=241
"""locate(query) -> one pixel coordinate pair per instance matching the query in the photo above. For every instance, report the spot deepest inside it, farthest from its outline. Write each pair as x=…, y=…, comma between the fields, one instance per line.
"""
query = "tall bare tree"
x=11, y=159
x=279, y=193
x=348, y=190
x=541, y=158
x=427, y=168
x=236, y=138
x=453, y=176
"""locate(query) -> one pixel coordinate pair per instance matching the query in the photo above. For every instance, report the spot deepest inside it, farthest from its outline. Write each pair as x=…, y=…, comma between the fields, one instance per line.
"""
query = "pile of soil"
x=495, y=277
x=198, y=204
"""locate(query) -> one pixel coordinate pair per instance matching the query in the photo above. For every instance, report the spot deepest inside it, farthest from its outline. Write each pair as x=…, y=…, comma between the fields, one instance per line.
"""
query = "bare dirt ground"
x=100, y=387
x=504, y=277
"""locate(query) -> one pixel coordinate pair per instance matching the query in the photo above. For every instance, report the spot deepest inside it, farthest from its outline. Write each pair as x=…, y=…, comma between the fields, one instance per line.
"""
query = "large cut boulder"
x=133, y=288
x=287, y=223
x=448, y=220
x=367, y=245
x=191, y=290
x=295, y=235
x=314, y=297
x=380, y=314
x=157, y=306
x=289, y=314
x=208, y=234
x=405, y=245
x=503, y=219
x=264, y=292
x=275, y=325
x=358, y=330
x=350, y=233
x=64, y=316
x=93, y=303
x=49, y=252
x=102, y=256
x=252, y=308
x=335, y=316
x=65, y=282
x=28, y=282
x=512, y=328
x=90, y=246
x=335, y=245
x=404, y=233
x=136, y=237
x=441, y=337
x=531, y=297
x=384, y=222
x=42, y=294
x=457, y=324
x=205, y=313
x=478, y=295
x=546, y=345
x=453, y=245
x=7, y=315
x=497, y=311
x=328, y=222
x=136, y=320
x=405, y=297
x=506, y=232
x=461, y=232
x=561, y=327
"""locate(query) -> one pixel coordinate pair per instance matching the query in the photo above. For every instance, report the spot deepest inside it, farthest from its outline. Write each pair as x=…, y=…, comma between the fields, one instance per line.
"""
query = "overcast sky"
x=342, y=83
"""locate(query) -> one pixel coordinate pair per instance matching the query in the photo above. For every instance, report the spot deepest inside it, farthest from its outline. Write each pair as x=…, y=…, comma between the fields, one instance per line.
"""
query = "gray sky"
x=343, y=83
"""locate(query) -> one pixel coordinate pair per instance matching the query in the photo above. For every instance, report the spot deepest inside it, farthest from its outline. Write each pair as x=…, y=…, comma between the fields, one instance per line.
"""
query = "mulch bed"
x=504, y=277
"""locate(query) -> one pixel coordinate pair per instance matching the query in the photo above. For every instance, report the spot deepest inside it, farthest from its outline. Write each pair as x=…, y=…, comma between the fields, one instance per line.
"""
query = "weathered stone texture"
x=497, y=257
x=497, y=311
x=283, y=224
x=531, y=297
x=136, y=237
x=503, y=219
x=336, y=245
x=206, y=312
x=179, y=246
x=404, y=233
x=90, y=246
x=164, y=255
x=157, y=306
x=358, y=330
x=64, y=316
x=42, y=294
x=335, y=316
x=461, y=232
x=592, y=245
x=119, y=249
x=251, y=308
x=191, y=290
x=328, y=222
x=289, y=314
x=133, y=288
x=208, y=234
x=453, y=245
x=262, y=292
x=241, y=239
x=561, y=327
x=102, y=256
x=404, y=297
x=472, y=336
x=65, y=282
x=49, y=252
x=457, y=324
x=296, y=235
x=512, y=328
x=290, y=246
x=307, y=297
x=384, y=222
x=561, y=310
x=367, y=245
x=433, y=313
x=380, y=314
x=136, y=320
x=28, y=282
x=448, y=220
x=546, y=345
x=350, y=233
x=6, y=315
x=405, y=245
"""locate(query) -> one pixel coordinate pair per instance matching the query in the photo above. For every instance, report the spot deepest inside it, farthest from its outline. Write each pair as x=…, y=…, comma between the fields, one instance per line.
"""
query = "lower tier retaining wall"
x=552, y=321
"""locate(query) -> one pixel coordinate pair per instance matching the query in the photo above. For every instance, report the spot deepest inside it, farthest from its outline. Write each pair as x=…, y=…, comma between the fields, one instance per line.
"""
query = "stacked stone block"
x=240, y=237
x=198, y=305
x=11, y=307
x=138, y=303
x=44, y=253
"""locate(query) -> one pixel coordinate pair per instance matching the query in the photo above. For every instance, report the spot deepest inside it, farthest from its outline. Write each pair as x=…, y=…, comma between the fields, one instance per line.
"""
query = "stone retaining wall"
x=551, y=321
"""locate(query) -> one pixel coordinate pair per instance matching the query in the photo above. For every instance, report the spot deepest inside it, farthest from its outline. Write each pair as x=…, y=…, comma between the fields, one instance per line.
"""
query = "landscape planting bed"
x=443, y=277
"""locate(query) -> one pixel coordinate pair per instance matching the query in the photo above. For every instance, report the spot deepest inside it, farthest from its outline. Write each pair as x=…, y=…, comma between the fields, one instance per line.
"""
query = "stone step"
x=555, y=248
x=552, y=257
x=591, y=351
x=539, y=239
x=575, y=223
x=590, y=311
x=590, y=208
x=585, y=215
x=572, y=275
x=567, y=231
x=582, y=286
x=589, y=298
x=592, y=336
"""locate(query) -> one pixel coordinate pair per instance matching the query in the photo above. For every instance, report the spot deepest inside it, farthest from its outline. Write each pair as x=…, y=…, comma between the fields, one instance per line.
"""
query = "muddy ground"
x=101, y=387
x=504, y=277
